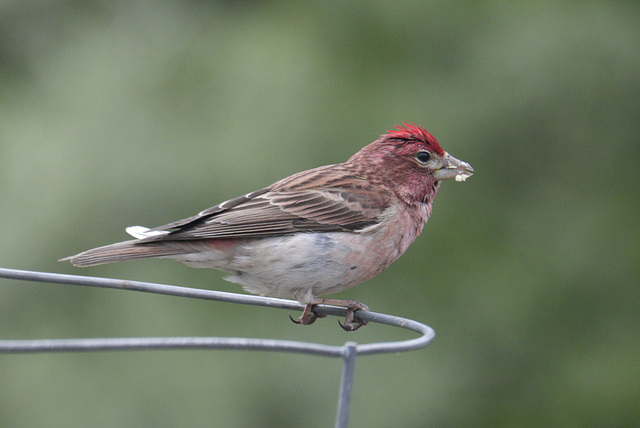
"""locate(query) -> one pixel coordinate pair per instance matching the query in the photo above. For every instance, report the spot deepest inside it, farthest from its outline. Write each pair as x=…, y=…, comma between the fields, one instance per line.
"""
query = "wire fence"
x=348, y=352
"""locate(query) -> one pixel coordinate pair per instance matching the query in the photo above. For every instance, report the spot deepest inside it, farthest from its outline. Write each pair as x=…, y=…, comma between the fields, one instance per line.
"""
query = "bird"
x=314, y=233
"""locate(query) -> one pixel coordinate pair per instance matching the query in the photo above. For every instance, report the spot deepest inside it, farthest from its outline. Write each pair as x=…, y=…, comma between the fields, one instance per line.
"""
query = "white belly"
x=305, y=265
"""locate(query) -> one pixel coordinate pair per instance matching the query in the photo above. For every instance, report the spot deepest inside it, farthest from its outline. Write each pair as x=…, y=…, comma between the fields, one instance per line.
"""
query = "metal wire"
x=346, y=384
x=348, y=352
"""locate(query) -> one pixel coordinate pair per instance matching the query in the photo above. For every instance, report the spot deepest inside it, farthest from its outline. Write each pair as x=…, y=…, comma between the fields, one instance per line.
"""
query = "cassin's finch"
x=314, y=233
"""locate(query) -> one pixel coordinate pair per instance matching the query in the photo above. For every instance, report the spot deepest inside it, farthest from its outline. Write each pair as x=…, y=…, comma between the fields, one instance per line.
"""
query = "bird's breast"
x=305, y=265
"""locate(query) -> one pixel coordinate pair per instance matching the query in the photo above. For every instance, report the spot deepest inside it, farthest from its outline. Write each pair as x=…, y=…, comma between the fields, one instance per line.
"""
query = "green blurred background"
x=116, y=113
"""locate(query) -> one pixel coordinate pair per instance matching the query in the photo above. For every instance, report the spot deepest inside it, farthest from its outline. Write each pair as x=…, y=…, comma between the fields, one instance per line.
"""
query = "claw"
x=347, y=326
x=305, y=319
x=308, y=316
x=350, y=323
x=343, y=327
x=295, y=320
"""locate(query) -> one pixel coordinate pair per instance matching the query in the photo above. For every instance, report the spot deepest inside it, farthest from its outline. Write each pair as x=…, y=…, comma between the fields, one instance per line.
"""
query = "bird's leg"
x=308, y=315
x=350, y=322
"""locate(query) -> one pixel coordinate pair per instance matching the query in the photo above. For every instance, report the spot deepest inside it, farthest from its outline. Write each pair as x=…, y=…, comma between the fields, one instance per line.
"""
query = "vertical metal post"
x=346, y=386
x=349, y=351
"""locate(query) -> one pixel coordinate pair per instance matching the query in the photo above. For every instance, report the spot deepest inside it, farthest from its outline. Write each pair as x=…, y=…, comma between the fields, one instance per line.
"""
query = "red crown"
x=409, y=131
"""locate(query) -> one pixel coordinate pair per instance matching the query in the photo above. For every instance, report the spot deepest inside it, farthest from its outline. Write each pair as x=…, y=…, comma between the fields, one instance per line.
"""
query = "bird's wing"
x=281, y=210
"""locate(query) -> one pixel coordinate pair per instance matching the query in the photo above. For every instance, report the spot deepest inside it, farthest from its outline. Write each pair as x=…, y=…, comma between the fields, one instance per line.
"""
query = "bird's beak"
x=453, y=168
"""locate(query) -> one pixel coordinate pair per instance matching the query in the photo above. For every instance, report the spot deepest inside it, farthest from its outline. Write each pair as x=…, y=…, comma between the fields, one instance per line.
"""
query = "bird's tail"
x=126, y=250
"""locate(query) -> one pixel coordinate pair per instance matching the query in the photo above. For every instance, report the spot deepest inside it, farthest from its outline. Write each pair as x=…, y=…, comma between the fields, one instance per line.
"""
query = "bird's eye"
x=423, y=157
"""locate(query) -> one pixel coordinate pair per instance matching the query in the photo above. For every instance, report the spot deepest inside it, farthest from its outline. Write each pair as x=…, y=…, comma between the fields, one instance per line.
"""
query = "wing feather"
x=333, y=205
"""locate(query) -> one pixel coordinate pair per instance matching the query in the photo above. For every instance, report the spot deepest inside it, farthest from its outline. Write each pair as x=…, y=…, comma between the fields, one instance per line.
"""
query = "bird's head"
x=410, y=161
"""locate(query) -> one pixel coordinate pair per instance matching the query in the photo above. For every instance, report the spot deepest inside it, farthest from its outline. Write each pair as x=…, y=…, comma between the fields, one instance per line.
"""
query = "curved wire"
x=140, y=343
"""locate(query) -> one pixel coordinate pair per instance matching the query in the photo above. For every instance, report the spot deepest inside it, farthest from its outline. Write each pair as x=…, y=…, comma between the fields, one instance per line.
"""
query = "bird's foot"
x=308, y=316
x=350, y=322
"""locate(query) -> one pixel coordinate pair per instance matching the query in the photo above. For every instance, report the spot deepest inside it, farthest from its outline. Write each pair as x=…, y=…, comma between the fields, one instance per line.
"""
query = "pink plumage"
x=316, y=232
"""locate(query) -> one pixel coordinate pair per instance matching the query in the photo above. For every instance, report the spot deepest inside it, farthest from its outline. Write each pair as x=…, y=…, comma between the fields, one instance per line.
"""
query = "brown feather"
x=126, y=250
x=319, y=200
